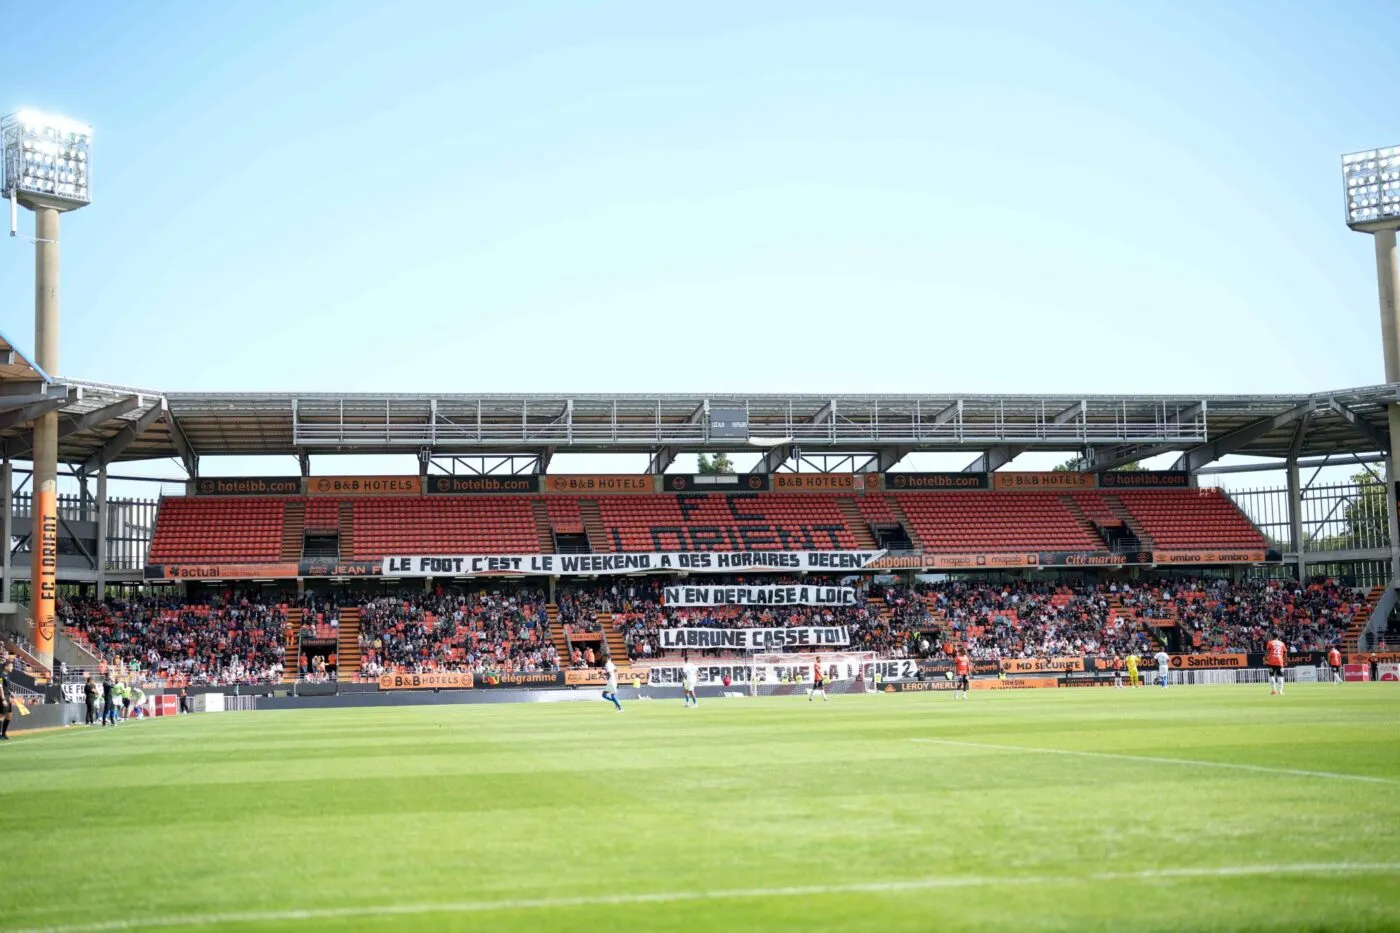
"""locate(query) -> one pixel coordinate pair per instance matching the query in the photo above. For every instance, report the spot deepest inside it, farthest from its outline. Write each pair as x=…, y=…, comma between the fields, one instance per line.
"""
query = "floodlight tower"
x=1372, y=183
x=47, y=168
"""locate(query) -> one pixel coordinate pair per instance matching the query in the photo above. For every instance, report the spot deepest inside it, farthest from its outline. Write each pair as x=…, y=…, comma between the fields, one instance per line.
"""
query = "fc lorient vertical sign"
x=45, y=601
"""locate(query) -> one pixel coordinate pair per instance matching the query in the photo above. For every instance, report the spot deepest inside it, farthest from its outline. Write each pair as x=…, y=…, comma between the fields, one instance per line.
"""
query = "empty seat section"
x=720, y=522
x=564, y=515
x=210, y=530
x=993, y=522
x=322, y=514
x=876, y=510
x=1096, y=508
x=1191, y=518
x=443, y=525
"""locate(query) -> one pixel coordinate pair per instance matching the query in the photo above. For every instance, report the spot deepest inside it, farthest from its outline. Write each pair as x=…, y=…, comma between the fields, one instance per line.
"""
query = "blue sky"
x=644, y=197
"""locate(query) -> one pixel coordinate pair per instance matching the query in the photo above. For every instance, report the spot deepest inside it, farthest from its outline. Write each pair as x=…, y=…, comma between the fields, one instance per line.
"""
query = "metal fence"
x=1342, y=517
x=130, y=524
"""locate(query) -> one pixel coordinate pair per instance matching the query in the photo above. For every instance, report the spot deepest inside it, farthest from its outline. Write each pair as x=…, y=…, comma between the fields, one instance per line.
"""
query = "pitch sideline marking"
x=671, y=897
x=1152, y=759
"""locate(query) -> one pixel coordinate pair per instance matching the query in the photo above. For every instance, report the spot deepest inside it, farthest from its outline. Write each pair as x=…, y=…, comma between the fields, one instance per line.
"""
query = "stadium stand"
x=969, y=522
x=224, y=640
x=1219, y=615
x=461, y=525
x=322, y=515
x=229, y=638
x=635, y=609
x=456, y=630
x=194, y=529
x=714, y=521
x=1189, y=518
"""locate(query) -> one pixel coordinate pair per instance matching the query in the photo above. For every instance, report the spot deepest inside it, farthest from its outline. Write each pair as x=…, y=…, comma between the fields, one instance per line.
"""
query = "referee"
x=7, y=701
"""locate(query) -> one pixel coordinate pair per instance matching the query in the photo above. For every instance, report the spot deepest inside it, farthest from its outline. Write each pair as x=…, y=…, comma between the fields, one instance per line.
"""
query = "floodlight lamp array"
x=1372, y=181
x=47, y=158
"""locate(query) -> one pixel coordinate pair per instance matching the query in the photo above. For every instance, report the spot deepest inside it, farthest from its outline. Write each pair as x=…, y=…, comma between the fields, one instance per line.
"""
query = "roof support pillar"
x=7, y=529
x=123, y=439
x=993, y=459
x=773, y=458
x=1199, y=456
x=662, y=458
x=100, y=558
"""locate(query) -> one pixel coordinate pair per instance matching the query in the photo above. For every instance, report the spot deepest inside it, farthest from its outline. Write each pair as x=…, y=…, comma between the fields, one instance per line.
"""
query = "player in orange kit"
x=1276, y=657
x=963, y=666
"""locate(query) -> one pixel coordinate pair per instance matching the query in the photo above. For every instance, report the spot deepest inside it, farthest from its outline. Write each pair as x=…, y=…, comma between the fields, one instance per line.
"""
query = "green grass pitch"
x=890, y=812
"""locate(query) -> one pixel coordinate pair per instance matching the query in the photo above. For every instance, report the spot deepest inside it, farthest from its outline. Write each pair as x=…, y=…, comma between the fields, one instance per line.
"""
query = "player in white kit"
x=610, y=691
x=690, y=675
x=1164, y=664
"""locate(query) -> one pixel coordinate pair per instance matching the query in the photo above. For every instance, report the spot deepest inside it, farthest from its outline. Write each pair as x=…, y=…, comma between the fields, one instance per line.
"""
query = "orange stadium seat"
x=994, y=522
x=1096, y=508
x=192, y=529
x=251, y=530
x=322, y=514
x=564, y=515
x=1191, y=518
x=876, y=510
x=725, y=521
x=440, y=525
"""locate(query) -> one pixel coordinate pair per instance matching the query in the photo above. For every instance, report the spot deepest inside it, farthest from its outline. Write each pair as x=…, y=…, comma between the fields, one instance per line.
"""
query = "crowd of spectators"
x=231, y=638
x=1224, y=616
x=1029, y=619
x=639, y=611
x=452, y=629
x=1013, y=619
x=236, y=637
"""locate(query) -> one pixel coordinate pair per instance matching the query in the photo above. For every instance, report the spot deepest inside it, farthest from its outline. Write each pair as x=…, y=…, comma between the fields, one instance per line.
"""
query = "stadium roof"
x=103, y=424
x=15, y=367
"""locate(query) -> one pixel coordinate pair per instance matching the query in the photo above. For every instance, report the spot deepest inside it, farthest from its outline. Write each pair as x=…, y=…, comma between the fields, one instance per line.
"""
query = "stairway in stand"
x=347, y=530
x=612, y=637
x=593, y=526
x=293, y=530
x=347, y=649
x=878, y=606
x=1121, y=511
x=860, y=528
x=543, y=529
x=898, y=512
x=291, y=647
x=556, y=634
x=1088, y=527
x=1351, y=640
x=1153, y=627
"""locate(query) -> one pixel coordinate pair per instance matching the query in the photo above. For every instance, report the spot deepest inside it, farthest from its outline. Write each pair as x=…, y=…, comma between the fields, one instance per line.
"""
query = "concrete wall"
x=47, y=716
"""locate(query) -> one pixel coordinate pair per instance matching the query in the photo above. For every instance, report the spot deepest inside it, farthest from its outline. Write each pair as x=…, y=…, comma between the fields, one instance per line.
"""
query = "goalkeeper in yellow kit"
x=1132, y=662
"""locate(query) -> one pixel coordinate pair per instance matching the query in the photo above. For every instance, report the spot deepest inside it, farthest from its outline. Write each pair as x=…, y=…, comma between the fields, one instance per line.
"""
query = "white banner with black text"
x=755, y=639
x=561, y=565
x=797, y=672
x=799, y=595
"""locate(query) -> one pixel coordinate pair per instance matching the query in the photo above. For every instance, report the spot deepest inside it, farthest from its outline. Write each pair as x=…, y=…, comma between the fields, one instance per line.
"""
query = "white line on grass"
x=671, y=897
x=1152, y=759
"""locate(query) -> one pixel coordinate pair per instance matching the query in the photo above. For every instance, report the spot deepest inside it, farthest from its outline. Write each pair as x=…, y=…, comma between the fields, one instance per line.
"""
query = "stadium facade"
x=828, y=478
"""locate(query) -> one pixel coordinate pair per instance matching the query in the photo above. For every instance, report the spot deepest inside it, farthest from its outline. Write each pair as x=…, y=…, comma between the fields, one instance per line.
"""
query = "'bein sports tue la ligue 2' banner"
x=557, y=565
